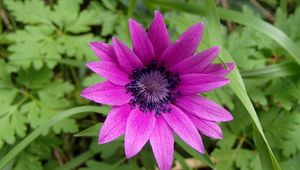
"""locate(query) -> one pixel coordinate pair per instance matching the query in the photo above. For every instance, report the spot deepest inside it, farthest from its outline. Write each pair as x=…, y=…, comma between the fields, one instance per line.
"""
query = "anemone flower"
x=155, y=90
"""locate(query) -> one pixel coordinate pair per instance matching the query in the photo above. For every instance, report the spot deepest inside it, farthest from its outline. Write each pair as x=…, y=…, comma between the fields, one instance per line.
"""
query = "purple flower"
x=153, y=89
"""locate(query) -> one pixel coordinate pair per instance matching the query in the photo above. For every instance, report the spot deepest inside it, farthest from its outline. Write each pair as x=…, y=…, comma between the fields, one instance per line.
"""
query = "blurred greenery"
x=43, y=49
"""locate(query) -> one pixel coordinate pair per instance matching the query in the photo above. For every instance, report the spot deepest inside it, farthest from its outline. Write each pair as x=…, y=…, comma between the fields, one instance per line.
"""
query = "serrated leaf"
x=28, y=162
x=35, y=79
x=77, y=45
x=30, y=11
x=30, y=47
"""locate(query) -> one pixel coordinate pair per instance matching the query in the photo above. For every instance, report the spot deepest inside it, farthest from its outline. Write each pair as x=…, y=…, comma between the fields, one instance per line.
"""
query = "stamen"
x=152, y=88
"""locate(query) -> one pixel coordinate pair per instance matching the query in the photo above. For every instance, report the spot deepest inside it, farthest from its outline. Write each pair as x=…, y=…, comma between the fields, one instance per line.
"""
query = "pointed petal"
x=139, y=127
x=115, y=124
x=199, y=83
x=110, y=71
x=218, y=69
x=127, y=59
x=203, y=108
x=106, y=93
x=142, y=46
x=162, y=143
x=104, y=51
x=185, y=46
x=184, y=128
x=158, y=34
x=196, y=63
x=208, y=128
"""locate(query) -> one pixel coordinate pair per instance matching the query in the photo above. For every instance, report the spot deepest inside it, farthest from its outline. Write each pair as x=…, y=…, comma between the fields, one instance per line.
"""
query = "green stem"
x=131, y=8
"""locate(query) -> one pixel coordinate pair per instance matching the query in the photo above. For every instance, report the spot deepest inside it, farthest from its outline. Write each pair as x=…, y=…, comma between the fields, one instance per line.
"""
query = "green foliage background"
x=44, y=46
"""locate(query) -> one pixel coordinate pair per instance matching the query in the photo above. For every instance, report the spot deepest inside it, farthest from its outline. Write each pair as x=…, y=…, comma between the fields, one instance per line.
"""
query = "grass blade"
x=90, y=132
x=267, y=157
x=273, y=71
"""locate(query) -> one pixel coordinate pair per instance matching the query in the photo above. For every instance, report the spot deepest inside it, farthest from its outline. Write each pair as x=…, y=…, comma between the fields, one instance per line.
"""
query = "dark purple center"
x=152, y=88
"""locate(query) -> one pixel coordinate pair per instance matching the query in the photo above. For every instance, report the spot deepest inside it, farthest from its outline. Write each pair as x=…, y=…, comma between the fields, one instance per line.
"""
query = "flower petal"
x=184, y=128
x=199, y=83
x=218, y=69
x=139, y=127
x=127, y=59
x=158, y=34
x=162, y=143
x=196, y=63
x=185, y=46
x=208, y=128
x=115, y=123
x=203, y=108
x=104, y=51
x=142, y=46
x=110, y=71
x=106, y=93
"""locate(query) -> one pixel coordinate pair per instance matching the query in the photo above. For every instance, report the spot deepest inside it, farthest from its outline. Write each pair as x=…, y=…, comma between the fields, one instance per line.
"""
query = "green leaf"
x=92, y=79
x=272, y=71
x=291, y=145
x=87, y=18
x=12, y=121
x=30, y=47
x=30, y=11
x=35, y=79
x=77, y=45
x=268, y=160
x=202, y=157
x=25, y=142
x=238, y=17
x=182, y=161
x=91, y=131
x=28, y=162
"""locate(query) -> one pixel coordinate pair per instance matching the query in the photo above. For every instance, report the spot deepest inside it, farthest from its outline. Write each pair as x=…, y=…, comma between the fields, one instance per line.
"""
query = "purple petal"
x=184, y=128
x=104, y=51
x=142, y=46
x=110, y=71
x=139, y=127
x=218, y=69
x=158, y=34
x=162, y=143
x=200, y=83
x=115, y=123
x=127, y=59
x=106, y=93
x=185, y=46
x=196, y=63
x=203, y=108
x=208, y=128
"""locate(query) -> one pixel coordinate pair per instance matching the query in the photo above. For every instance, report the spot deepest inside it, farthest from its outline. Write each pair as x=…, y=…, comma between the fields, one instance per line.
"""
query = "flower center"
x=152, y=88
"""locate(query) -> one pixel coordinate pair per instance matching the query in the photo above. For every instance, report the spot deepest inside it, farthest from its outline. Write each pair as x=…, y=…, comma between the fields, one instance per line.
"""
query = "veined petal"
x=162, y=143
x=104, y=51
x=139, y=127
x=196, y=63
x=110, y=71
x=158, y=34
x=115, y=123
x=203, y=108
x=208, y=128
x=218, y=69
x=199, y=83
x=184, y=128
x=106, y=93
x=185, y=46
x=142, y=46
x=127, y=59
